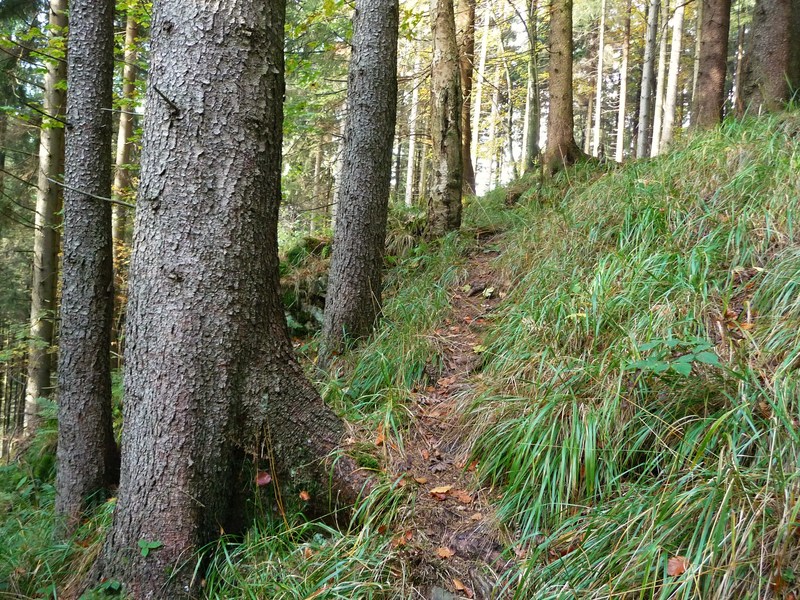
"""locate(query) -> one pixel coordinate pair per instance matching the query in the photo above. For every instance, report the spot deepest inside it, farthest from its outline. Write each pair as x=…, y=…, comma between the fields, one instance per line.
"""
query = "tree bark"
x=479, y=80
x=661, y=77
x=444, y=200
x=87, y=452
x=353, y=299
x=623, y=85
x=533, y=106
x=465, y=36
x=561, y=147
x=646, y=91
x=46, y=236
x=709, y=96
x=771, y=64
x=671, y=95
x=598, y=103
x=412, y=136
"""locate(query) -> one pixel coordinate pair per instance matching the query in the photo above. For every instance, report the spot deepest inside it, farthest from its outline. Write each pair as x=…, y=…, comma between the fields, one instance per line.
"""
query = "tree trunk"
x=561, y=147
x=353, y=299
x=87, y=452
x=444, y=201
x=697, y=46
x=598, y=103
x=46, y=237
x=671, y=96
x=210, y=371
x=647, y=79
x=771, y=65
x=479, y=80
x=587, y=125
x=533, y=109
x=661, y=77
x=738, y=103
x=623, y=86
x=412, y=133
x=465, y=35
x=709, y=96
x=494, y=116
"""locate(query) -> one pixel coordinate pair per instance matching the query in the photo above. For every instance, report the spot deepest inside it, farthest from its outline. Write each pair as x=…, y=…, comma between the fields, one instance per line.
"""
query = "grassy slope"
x=638, y=401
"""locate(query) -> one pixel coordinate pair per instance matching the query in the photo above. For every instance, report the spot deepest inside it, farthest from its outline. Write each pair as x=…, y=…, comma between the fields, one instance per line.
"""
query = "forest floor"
x=453, y=542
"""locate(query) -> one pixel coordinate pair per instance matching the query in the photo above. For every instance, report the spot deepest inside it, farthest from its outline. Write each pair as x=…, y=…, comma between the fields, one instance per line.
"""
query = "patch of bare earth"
x=452, y=541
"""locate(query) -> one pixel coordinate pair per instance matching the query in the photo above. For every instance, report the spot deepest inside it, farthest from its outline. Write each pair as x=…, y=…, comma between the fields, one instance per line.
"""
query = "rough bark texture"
x=623, y=85
x=713, y=63
x=210, y=371
x=646, y=91
x=671, y=94
x=444, y=200
x=46, y=237
x=87, y=452
x=771, y=62
x=465, y=35
x=353, y=300
x=561, y=147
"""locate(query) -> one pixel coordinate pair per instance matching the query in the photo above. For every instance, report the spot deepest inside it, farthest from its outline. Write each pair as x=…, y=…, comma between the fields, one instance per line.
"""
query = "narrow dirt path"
x=454, y=544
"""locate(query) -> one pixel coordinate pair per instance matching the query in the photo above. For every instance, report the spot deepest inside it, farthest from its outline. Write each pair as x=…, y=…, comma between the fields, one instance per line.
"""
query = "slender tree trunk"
x=709, y=96
x=738, y=105
x=353, y=300
x=465, y=35
x=671, y=96
x=533, y=104
x=647, y=79
x=561, y=147
x=210, y=371
x=698, y=46
x=494, y=116
x=412, y=135
x=587, y=124
x=444, y=202
x=623, y=85
x=46, y=237
x=596, y=141
x=87, y=452
x=479, y=80
x=661, y=77
x=317, y=194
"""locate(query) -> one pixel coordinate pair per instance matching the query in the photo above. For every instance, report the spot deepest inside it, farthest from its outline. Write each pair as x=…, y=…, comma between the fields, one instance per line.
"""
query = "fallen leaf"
x=307, y=553
x=479, y=348
x=476, y=517
x=460, y=587
x=472, y=466
x=421, y=480
x=425, y=454
x=305, y=496
x=461, y=496
x=263, y=478
x=380, y=438
x=444, y=553
x=677, y=565
x=442, y=489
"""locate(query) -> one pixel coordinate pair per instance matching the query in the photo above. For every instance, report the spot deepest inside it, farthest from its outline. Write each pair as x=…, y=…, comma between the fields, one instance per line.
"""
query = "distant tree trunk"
x=772, y=62
x=623, y=85
x=494, y=116
x=353, y=299
x=533, y=103
x=738, y=107
x=444, y=202
x=479, y=79
x=211, y=375
x=709, y=97
x=661, y=79
x=412, y=135
x=465, y=35
x=561, y=147
x=46, y=237
x=318, y=197
x=87, y=453
x=697, y=46
x=671, y=97
x=587, y=124
x=646, y=92
x=122, y=176
x=598, y=103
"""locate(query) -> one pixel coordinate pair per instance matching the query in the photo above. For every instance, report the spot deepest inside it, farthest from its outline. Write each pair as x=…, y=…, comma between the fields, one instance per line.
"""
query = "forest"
x=491, y=299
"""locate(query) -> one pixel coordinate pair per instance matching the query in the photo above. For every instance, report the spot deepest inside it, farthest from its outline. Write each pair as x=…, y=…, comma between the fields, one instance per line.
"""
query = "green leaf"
x=708, y=358
x=650, y=345
x=682, y=368
x=145, y=546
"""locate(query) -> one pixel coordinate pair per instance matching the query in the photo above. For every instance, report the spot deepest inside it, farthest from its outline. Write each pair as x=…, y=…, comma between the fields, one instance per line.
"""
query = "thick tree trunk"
x=671, y=95
x=465, y=36
x=661, y=80
x=561, y=147
x=771, y=62
x=210, y=371
x=598, y=102
x=46, y=237
x=353, y=299
x=623, y=86
x=646, y=91
x=87, y=452
x=532, y=104
x=412, y=135
x=444, y=199
x=709, y=96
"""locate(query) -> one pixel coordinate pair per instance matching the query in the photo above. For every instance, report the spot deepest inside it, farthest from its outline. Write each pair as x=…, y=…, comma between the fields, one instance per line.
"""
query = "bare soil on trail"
x=452, y=540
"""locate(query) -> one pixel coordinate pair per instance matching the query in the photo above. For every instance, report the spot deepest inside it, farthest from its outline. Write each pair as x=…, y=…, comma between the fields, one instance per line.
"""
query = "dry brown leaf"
x=421, y=480
x=445, y=553
x=307, y=553
x=380, y=438
x=461, y=496
x=305, y=496
x=442, y=489
x=677, y=565
x=425, y=454
x=476, y=517
x=460, y=587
